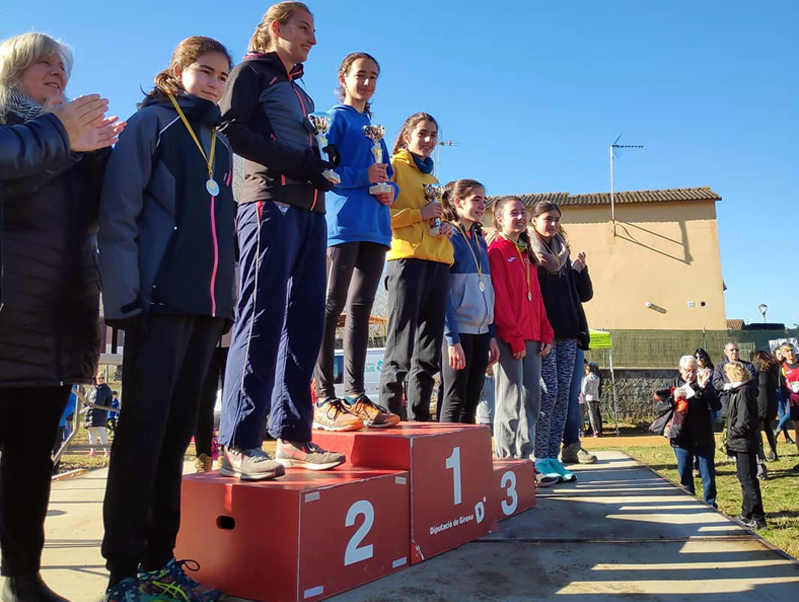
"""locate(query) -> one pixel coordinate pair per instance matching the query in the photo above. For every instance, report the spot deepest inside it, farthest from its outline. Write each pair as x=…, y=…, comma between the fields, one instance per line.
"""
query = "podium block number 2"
x=354, y=553
x=454, y=463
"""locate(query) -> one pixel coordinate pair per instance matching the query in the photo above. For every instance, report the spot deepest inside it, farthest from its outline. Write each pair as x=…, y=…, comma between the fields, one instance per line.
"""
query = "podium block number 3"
x=454, y=463
x=509, y=485
x=353, y=553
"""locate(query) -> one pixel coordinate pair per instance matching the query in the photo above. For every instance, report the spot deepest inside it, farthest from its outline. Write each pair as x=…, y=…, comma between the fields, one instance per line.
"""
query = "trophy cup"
x=320, y=124
x=433, y=193
x=375, y=133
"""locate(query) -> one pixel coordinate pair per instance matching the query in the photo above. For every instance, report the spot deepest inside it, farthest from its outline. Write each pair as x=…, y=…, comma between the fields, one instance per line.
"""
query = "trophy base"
x=332, y=176
x=382, y=188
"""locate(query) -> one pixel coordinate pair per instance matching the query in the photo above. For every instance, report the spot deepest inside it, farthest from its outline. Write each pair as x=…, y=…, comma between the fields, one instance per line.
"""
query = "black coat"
x=697, y=428
x=49, y=323
x=564, y=294
x=97, y=417
x=720, y=379
x=743, y=429
x=767, y=383
x=26, y=150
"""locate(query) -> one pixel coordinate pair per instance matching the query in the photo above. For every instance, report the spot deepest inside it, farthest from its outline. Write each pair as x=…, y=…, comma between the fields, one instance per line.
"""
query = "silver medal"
x=482, y=286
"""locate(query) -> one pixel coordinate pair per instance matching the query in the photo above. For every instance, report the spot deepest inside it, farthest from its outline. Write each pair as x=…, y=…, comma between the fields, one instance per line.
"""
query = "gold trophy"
x=433, y=193
x=375, y=133
x=320, y=124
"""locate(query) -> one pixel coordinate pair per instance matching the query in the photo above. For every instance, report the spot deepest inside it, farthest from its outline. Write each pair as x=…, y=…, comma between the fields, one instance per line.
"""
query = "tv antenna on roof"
x=613, y=148
x=447, y=143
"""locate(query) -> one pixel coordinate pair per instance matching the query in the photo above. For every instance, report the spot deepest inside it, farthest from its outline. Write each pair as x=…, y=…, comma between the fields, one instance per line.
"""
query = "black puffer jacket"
x=697, y=428
x=95, y=416
x=767, y=384
x=26, y=150
x=49, y=323
x=742, y=422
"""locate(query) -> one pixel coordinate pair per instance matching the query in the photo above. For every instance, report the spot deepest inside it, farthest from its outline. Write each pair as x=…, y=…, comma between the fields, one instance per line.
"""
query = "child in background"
x=358, y=236
x=590, y=392
x=166, y=259
x=416, y=276
x=469, y=324
x=524, y=335
x=743, y=433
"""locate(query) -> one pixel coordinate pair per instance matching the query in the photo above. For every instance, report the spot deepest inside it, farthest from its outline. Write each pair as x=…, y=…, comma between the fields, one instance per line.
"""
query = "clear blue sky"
x=533, y=92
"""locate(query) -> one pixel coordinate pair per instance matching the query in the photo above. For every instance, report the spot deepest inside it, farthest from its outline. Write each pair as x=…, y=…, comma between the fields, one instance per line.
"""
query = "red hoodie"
x=517, y=318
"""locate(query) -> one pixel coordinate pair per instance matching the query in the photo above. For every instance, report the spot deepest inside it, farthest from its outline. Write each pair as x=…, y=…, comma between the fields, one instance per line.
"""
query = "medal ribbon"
x=209, y=160
x=474, y=256
x=525, y=263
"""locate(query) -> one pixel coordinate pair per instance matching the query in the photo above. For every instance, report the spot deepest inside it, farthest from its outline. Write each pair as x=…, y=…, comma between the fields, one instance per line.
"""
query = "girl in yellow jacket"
x=417, y=274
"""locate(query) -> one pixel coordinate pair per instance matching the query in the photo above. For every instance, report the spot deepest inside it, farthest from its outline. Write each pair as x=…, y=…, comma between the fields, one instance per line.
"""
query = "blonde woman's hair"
x=736, y=372
x=282, y=12
x=19, y=53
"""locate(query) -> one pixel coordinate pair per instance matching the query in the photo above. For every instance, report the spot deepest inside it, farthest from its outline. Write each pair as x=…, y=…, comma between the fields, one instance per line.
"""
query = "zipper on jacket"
x=310, y=136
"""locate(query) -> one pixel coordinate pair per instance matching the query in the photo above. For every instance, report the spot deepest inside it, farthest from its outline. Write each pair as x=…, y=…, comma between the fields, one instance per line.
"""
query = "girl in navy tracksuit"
x=469, y=322
x=166, y=260
x=358, y=237
x=282, y=240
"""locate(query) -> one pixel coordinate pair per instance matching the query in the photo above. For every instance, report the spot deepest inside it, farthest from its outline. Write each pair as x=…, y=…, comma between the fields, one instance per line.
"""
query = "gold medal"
x=482, y=286
x=212, y=187
x=529, y=296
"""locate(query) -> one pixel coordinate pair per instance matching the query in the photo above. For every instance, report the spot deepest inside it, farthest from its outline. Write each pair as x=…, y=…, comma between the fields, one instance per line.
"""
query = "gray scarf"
x=22, y=106
x=552, y=256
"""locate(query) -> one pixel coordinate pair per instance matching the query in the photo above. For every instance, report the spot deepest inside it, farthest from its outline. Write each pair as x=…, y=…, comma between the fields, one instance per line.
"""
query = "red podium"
x=305, y=536
x=452, y=477
x=514, y=488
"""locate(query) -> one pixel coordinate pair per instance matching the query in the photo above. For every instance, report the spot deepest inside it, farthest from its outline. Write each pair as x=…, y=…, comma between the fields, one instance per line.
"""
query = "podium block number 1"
x=353, y=553
x=454, y=463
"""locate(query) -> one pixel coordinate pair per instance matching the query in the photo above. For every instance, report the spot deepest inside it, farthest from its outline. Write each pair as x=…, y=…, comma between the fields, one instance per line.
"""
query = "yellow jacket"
x=410, y=234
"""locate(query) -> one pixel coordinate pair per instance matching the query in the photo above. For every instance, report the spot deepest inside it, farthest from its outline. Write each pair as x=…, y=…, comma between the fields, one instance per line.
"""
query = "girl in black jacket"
x=743, y=433
x=768, y=378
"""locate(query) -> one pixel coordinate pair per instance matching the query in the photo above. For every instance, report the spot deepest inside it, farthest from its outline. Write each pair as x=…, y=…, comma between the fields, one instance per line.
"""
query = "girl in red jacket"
x=523, y=333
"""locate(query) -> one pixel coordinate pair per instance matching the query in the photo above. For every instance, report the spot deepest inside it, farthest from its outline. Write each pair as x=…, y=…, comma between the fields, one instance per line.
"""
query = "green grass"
x=780, y=492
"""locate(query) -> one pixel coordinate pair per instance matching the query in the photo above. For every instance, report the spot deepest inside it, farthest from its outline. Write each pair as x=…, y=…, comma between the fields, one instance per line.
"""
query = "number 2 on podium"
x=454, y=463
x=353, y=553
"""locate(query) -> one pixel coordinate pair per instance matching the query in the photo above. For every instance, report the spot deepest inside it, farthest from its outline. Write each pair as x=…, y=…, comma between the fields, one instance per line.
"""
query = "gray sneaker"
x=306, y=455
x=250, y=465
x=575, y=454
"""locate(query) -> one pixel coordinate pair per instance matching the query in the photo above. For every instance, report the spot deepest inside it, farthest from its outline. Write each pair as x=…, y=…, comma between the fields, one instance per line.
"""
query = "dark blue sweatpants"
x=278, y=328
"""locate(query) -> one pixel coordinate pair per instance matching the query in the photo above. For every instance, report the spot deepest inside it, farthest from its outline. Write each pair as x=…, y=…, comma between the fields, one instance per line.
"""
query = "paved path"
x=621, y=531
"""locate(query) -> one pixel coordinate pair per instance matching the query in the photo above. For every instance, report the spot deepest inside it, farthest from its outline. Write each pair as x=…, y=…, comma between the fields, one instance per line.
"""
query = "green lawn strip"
x=780, y=492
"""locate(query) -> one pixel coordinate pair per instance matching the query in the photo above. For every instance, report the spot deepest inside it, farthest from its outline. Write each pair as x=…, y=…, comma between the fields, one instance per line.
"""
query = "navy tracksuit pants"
x=278, y=328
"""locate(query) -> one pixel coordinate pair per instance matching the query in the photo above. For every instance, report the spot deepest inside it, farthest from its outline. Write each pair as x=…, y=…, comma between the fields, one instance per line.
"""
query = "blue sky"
x=534, y=92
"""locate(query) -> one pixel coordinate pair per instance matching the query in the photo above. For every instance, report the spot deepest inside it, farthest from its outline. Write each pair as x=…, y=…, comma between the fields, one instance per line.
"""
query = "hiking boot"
x=29, y=588
x=203, y=463
x=565, y=475
x=372, y=415
x=575, y=454
x=333, y=415
x=172, y=583
x=249, y=465
x=306, y=455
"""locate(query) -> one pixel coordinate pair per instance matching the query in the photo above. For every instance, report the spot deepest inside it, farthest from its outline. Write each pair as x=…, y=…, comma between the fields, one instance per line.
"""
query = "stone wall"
x=634, y=389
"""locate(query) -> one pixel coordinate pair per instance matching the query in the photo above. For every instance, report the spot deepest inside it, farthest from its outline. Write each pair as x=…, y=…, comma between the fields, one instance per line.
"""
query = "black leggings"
x=353, y=274
x=462, y=388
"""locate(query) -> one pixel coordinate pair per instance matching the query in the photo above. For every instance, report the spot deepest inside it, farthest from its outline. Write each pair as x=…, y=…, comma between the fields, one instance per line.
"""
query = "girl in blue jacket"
x=469, y=323
x=358, y=237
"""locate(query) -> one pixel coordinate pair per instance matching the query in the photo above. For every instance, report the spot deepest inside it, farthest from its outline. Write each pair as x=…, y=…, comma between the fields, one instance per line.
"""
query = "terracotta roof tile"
x=623, y=197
